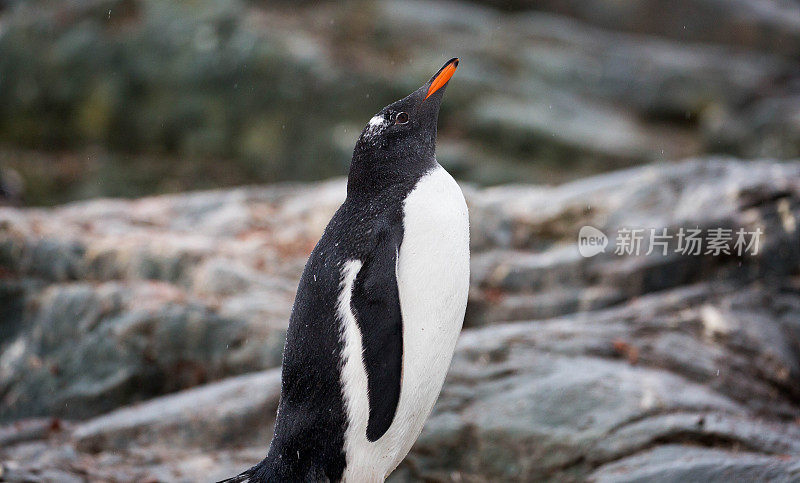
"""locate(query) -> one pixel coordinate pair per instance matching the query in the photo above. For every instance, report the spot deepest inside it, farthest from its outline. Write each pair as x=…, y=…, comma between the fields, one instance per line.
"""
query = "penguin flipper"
x=376, y=303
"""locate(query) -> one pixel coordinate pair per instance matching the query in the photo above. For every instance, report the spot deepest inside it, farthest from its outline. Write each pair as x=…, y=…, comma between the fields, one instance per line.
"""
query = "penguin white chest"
x=433, y=282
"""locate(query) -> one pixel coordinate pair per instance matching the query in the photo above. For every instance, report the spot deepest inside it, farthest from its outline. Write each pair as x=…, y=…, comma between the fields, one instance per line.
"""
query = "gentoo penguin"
x=379, y=307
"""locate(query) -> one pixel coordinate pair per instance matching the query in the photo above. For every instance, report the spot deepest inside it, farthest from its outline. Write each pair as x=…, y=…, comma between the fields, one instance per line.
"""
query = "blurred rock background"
x=135, y=97
x=140, y=339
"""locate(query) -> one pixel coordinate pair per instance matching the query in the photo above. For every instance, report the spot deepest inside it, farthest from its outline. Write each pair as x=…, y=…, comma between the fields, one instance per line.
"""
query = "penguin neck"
x=377, y=171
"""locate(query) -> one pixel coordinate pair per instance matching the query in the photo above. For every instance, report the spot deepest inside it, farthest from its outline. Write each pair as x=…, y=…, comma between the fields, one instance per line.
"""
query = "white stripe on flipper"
x=354, y=383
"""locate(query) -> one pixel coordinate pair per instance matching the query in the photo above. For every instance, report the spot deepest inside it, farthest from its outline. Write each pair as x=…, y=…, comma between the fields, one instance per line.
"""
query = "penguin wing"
x=376, y=303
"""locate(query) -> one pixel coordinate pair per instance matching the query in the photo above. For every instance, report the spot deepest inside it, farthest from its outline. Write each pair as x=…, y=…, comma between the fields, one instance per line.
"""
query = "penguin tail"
x=259, y=473
x=243, y=477
x=247, y=476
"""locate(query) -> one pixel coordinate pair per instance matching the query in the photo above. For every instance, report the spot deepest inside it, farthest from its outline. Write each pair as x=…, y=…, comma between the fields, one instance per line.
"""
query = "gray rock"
x=569, y=368
x=236, y=411
x=539, y=265
x=556, y=399
x=88, y=349
x=678, y=464
x=548, y=90
x=744, y=23
x=166, y=301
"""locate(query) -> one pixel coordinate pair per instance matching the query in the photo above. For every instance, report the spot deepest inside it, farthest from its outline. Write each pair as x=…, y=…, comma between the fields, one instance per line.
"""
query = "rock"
x=566, y=129
x=588, y=396
x=559, y=398
x=27, y=430
x=89, y=349
x=676, y=464
x=137, y=325
x=165, y=264
x=188, y=435
x=525, y=263
x=744, y=23
x=11, y=187
x=57, y=460
x=239, y=92
x=232, y=412
x=118, y=288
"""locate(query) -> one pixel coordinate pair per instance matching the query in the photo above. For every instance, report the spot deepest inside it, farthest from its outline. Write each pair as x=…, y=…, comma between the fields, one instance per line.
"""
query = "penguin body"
x=433, y=282
x=379, y=307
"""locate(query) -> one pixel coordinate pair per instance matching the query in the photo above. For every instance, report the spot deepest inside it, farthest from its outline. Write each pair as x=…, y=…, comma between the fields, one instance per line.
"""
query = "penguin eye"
x=402, y=118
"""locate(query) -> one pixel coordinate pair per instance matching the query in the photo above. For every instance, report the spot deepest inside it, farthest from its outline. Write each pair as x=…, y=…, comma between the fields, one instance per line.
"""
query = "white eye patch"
x=376, y=124
x=376, y=121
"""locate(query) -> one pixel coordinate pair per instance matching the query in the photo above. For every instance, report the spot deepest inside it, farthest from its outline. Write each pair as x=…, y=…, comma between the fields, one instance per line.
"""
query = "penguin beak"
x=441, y=78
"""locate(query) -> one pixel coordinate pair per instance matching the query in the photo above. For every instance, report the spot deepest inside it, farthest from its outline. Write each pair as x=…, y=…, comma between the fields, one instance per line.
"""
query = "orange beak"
x=444, y=75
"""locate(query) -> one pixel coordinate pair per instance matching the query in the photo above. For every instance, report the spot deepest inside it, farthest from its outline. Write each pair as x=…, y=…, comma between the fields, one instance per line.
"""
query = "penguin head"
x=400, y=140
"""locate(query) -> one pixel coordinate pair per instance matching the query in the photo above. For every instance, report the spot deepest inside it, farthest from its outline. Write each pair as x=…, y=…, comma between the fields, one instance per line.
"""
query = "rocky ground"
x=141, y=339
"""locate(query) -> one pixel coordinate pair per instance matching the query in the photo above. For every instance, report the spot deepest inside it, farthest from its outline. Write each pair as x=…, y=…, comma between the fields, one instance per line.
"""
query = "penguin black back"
x=395, y=150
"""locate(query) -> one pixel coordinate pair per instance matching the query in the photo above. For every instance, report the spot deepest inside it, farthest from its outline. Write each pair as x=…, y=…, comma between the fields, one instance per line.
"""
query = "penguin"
x=379, y=307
